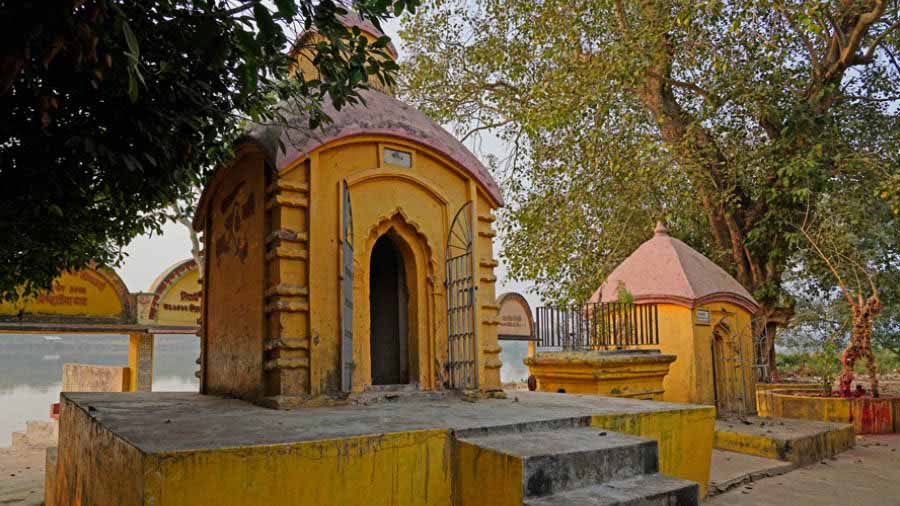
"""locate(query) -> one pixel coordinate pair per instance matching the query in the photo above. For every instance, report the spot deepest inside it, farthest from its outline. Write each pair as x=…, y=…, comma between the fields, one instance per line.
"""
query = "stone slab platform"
x=729, y=470
x=166, y=422
x=174, y=449
x=801, y=442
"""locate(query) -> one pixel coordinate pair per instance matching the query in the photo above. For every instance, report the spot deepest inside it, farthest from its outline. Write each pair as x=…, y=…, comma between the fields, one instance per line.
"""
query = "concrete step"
x=558, y=460
x=648, y=490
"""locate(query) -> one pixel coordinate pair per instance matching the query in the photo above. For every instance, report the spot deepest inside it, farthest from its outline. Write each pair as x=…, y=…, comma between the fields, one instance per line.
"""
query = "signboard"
x=702, y=316
x=397, y=157
x=88, y=294
x=516, y=323
x=175, y=297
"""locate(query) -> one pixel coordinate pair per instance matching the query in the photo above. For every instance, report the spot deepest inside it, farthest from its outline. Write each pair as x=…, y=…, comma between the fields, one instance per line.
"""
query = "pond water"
x=31, y=369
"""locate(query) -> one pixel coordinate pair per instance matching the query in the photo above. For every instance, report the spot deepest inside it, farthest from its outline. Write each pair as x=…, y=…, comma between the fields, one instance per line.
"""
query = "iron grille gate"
x=346, y=292
x=460, y=284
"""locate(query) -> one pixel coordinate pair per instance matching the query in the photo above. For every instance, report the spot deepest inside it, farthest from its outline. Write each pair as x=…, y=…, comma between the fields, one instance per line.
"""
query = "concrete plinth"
x=636, y=374
x=800, y=442
x=868, y=416
x=184, y=448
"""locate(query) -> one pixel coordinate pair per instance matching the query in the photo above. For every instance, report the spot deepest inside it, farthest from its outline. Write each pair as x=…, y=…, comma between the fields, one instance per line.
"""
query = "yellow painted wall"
x=416, y=204
x=690, y=379
x=637, y=376
x=234, y=241
x=676, y=337
x=739, y=320
x=400, y=469
x=868, y=416
x=801, y=450
x=685, y=439
x=86, y=293
x=414, y=468
x=84, y=454
x=484, y=476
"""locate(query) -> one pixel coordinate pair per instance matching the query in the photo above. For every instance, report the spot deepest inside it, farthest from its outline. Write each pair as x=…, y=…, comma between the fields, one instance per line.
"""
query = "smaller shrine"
x=704, y=319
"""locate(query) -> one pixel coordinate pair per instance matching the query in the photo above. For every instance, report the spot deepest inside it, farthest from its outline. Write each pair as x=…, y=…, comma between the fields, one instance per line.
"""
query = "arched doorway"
x=728, y=371
x=388, y=313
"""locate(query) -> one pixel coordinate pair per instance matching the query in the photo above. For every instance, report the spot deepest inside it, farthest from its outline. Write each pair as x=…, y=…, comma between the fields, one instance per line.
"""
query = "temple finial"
x=660, y=228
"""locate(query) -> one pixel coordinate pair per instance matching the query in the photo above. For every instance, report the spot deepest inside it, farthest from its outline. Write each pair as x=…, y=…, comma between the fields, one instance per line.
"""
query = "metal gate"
x=761, y=350
x=729, y=377
x=460, y=284
x=346, y=292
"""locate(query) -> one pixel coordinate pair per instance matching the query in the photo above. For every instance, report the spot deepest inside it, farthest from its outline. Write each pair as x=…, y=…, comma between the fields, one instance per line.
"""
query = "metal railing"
x=597, y=326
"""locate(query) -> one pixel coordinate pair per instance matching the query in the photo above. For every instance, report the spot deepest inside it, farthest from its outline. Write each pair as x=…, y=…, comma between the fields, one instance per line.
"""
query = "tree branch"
x=870, y=54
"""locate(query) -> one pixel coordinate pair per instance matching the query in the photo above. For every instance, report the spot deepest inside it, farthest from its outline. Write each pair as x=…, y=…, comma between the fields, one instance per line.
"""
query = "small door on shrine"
x=460, y=284
x=728, y=372
x=346, y=292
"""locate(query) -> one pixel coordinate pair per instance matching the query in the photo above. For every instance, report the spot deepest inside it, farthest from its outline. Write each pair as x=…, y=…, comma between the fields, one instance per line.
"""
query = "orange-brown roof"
x=666, y=270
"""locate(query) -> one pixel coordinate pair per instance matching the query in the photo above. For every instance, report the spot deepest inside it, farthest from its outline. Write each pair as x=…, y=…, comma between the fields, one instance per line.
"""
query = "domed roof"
x=379, y=115
x=666, y=270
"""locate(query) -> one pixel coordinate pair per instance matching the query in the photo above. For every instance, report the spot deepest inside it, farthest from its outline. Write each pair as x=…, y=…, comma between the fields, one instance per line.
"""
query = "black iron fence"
x=597, y=326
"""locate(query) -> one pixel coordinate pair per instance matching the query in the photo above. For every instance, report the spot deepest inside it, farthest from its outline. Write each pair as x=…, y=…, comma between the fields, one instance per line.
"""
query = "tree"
x=851, y=250
x=112, y=110
x=733, y=119
x=862, y=299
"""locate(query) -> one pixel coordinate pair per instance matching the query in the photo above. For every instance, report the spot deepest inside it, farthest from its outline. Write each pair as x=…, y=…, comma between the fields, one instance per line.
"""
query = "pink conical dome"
x=666, y=270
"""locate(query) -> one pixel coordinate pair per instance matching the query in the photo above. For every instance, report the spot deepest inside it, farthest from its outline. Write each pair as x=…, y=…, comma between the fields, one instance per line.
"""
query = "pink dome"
x=666, y=270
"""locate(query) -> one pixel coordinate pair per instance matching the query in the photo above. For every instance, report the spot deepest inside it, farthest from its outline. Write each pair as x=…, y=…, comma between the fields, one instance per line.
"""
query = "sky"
x=148, y=256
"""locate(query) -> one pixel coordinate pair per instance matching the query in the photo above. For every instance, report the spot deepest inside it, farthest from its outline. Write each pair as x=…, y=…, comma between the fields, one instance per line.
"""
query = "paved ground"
x=729, y=470
x=22, y=476
x=868, y=475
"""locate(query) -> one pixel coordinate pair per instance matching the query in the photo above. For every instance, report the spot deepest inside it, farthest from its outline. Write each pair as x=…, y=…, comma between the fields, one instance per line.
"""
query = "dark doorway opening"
x=388, y=309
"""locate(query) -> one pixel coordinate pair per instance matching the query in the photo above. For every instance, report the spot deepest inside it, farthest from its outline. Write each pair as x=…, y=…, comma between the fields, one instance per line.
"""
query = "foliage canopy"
x=734, y=120
x=112, y=109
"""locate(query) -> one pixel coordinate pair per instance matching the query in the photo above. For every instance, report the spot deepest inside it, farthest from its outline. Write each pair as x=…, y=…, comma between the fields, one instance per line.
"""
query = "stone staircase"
x=577, y=466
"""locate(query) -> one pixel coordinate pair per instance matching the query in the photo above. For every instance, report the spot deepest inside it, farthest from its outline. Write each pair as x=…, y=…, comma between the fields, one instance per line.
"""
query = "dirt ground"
x=22, y=476
x=868, y=475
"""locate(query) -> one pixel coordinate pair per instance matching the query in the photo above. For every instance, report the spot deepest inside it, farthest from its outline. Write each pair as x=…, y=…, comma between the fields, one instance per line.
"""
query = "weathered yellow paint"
x=635, y=375
x=84, y=293
x=685, y=439
x=398, y=469
x=414, y=206
x=483, y=476
x=800, y=451
x=140, y=362
x=691, y=378
x=298, y=347
x=868, y=416
x=85, y=454
x=409, y=468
